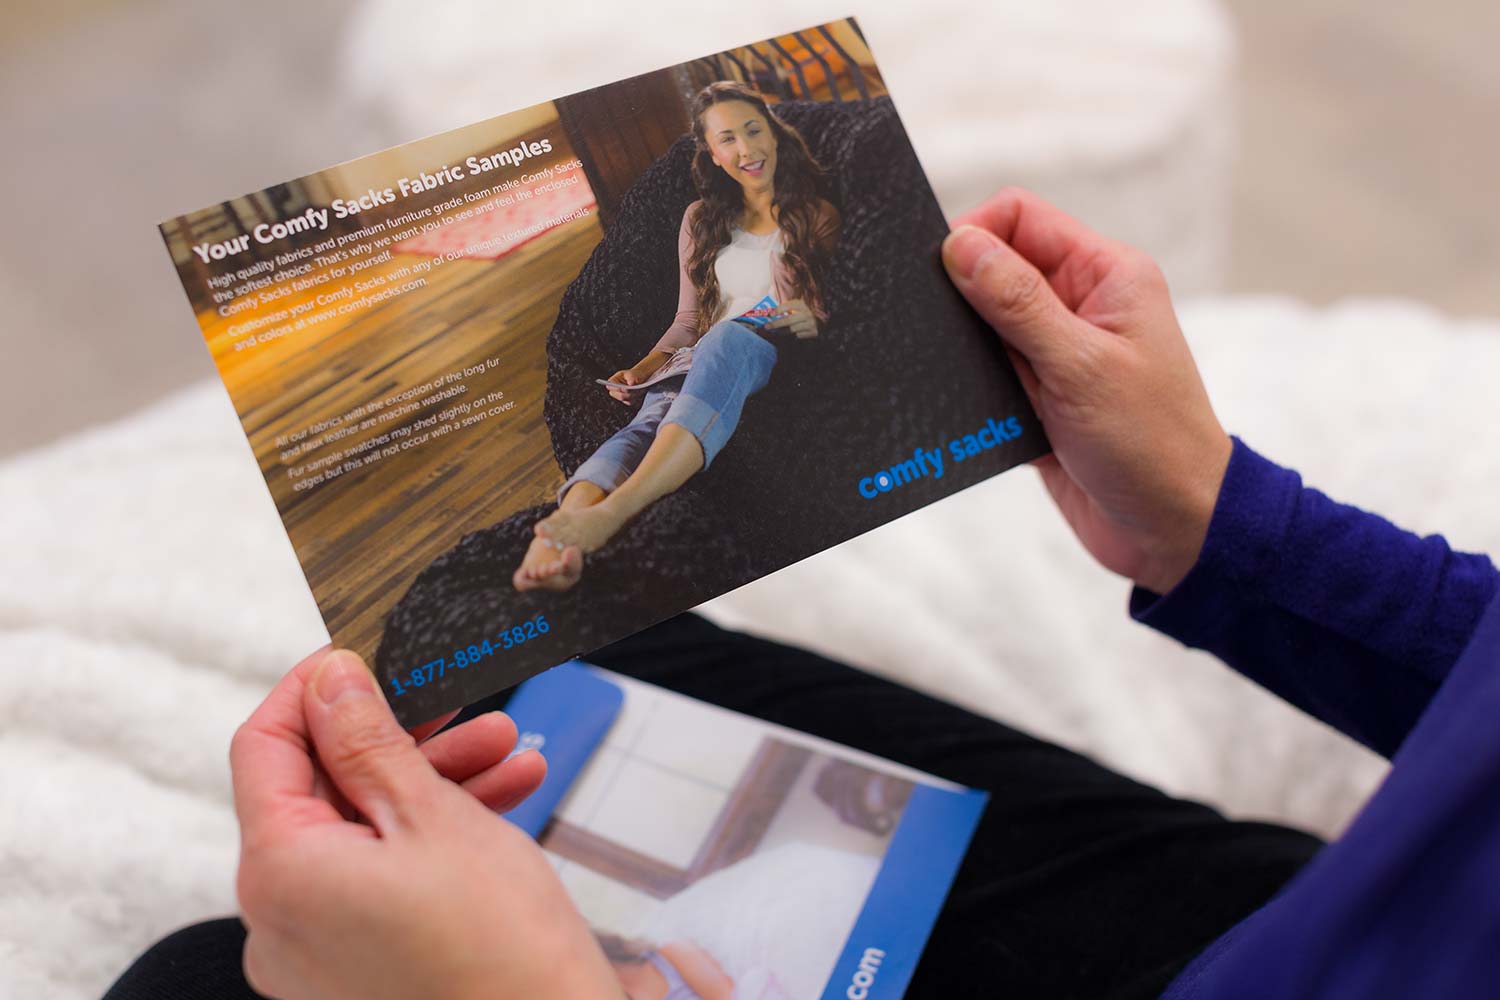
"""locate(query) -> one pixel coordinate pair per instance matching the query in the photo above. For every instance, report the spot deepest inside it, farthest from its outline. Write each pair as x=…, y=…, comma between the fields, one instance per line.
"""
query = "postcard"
x=443, y=356
x=706, y=846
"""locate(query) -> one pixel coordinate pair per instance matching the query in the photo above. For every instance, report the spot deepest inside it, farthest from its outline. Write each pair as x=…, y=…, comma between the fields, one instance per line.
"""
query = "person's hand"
x=372, y=868
x=797, y=317
x=1138, y=454
x=625, y=376
x=635, y=375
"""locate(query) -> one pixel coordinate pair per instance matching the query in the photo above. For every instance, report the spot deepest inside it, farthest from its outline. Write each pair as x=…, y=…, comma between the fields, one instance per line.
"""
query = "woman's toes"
x=565, y=571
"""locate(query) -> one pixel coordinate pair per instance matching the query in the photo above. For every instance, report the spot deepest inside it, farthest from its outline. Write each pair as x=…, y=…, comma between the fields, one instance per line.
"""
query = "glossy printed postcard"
x=526, y=387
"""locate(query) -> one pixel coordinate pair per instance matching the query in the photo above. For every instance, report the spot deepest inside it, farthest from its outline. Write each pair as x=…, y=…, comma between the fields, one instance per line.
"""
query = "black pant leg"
x=200, y=962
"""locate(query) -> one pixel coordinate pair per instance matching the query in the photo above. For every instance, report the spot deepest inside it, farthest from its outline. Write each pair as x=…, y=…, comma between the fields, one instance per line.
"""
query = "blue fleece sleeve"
x=1331, y=607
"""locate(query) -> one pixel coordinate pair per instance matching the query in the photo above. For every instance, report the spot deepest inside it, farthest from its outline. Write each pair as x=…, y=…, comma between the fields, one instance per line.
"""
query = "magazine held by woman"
x=526, y=387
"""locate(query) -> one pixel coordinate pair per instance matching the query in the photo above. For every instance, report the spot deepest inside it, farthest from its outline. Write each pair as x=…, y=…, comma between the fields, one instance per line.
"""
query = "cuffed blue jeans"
x=731, y=363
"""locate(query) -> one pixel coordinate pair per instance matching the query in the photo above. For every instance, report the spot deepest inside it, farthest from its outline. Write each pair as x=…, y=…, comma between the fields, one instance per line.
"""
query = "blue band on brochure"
x=929, y=843
x=564, y=712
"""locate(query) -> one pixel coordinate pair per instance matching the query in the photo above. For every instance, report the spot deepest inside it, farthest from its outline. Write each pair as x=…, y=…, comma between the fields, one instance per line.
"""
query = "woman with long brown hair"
x=760, y=230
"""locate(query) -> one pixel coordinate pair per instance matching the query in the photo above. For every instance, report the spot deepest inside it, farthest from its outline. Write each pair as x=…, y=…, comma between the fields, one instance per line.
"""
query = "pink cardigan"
x=684, y=329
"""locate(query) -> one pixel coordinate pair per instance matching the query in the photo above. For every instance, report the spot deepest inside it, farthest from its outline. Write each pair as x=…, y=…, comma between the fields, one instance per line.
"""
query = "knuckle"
x=370, y=752
x=252, y=966
x=237, y=743
x=258, y=965
x=271, y=886
x=1088, y=368
x=364, y=736
x=1013, y=193
x=253, y=885
x=247, y=891
x=1142, y=269
x=1089, y=361
x=1016, y=290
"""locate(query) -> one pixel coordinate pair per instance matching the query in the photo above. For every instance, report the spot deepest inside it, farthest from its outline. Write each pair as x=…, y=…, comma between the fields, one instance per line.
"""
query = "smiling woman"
x=751, y=167
x=759, y=233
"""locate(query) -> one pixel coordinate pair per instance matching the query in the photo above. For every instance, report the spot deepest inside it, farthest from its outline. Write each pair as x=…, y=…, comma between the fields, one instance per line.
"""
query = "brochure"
x=413, y=342
x=698, y=838
x=759, y=314
x=678, y=364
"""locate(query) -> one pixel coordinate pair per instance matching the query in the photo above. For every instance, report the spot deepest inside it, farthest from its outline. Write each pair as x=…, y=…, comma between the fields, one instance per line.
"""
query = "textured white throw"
x=150, y=598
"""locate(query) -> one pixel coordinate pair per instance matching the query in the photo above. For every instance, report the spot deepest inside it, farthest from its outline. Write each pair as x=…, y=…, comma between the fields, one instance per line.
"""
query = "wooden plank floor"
x=363, y=536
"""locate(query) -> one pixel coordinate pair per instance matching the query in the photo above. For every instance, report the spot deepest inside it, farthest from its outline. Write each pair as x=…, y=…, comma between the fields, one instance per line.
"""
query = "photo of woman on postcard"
x=759, y=356
x=757, y=238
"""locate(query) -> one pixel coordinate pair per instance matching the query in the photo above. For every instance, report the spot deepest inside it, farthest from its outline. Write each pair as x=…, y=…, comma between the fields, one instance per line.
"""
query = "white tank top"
x=744, y=271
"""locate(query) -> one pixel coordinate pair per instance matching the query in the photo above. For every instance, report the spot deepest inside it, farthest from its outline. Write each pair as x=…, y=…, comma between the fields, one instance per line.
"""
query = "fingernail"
x=341, y=675
x=965, y=247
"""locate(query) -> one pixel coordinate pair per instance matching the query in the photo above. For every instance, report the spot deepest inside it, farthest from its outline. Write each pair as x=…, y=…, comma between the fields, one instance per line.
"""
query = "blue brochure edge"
x=915, y=876
x=564, y=712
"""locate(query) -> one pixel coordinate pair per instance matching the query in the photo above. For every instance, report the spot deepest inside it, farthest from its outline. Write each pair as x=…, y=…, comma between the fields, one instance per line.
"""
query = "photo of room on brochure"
x=444, y=356
x=733, y=856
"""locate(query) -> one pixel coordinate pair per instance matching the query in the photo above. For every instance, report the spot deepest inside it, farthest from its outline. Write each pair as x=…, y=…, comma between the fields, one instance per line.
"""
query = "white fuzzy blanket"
x=150, y=598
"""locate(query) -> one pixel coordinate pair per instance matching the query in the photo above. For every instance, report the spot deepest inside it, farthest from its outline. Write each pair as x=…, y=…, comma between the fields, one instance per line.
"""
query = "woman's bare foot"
x=589, y=517
x=588, y=528
x=546, y=567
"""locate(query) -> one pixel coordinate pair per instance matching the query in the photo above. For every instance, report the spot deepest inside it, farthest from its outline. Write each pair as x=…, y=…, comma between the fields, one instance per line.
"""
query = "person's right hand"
x=797, y=316
x=635, y=375
x=625, y=376
x=1138, y=454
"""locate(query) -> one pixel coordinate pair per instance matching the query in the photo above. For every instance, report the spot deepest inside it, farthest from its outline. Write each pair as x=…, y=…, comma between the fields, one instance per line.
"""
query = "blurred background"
x=1316, y=177
x=1322, y=148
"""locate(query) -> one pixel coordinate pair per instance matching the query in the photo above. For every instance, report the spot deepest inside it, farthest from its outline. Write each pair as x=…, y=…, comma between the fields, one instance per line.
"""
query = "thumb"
x=1011, y=294
x=367, y=755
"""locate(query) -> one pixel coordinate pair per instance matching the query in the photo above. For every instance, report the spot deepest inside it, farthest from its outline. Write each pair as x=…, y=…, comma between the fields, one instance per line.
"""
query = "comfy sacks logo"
x=930, y=463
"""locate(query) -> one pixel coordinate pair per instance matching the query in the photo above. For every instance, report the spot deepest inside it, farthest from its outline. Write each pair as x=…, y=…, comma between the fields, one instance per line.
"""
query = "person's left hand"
x=372, y=868
x=797, y=317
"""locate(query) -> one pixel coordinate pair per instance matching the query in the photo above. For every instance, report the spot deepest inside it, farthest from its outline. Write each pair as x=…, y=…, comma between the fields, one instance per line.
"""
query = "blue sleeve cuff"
x=1242, y=548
